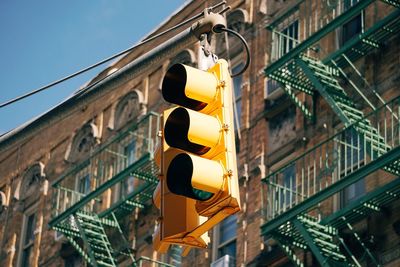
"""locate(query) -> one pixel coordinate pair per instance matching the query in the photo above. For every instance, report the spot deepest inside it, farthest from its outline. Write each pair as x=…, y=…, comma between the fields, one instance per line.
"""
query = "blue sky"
x=44, y=40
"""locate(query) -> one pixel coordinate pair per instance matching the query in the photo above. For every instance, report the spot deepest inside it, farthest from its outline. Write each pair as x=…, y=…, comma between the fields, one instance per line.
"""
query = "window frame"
x=359, y=187
x=217, y=246
x=23, y=246
x=238, y=98
x=278, y=35
x=343, y=38
x=83, y=174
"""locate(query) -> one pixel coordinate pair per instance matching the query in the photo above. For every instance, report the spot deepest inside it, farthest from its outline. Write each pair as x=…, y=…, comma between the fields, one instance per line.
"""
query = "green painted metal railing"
x=327, y=163
x=122, y=165
x=315, y=25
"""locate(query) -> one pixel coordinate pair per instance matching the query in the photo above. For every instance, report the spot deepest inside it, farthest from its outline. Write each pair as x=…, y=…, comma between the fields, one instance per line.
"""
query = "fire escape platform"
x=366, y=42
x=317, y=198
x=139, y=196
x=372, y=202
x=311, y=40
x=90, y=199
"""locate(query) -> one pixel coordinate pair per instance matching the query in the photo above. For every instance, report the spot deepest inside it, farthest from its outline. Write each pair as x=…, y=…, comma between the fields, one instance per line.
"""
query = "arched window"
x=128, y=109
x=237, y=20
x=82, y=143
x=186, y=57
x=30, y=183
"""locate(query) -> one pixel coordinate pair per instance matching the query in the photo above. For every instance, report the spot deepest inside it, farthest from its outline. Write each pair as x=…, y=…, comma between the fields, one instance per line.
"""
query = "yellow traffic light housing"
x=198, y=157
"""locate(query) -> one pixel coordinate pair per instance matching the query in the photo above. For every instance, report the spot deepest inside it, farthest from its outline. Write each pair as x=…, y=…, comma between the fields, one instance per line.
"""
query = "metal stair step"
x=311, y=222
x=295, y=83
x=98, y=248
x=365, y=125
x=320, y=234
x=327, y=79
x=335, y=255
x=333, y=85
x=89, y=219
x=340, y=97
x=351, y=109
x=321, y=68
x=315, y=62
x=102, y=263
x=101, y=255
x=326, y=244
x=98, y=241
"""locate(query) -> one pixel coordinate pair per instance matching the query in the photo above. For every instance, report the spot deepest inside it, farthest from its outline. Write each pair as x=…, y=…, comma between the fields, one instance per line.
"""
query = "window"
x=175, y=255
x=285, y=36
x=290, y=37
x=287, y=192
x=130, y=153
x=354, y=26
x=129, y=108
x=282, y=128
x=128, y=185
x=83, y=180
x=271, y=86
x=82, y=143
x=351, y=155
x=226, y=237
x=237, y=88
x=27, y=238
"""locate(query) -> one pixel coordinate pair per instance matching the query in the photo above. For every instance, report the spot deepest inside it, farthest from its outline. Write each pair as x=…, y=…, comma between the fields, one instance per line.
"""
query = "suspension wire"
x=246, y=46
x=111, y=57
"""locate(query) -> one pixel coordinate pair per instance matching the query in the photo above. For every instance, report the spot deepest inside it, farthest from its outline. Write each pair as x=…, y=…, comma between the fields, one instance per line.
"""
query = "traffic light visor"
x=194, y=177
x=192, y=131
x=189, y=87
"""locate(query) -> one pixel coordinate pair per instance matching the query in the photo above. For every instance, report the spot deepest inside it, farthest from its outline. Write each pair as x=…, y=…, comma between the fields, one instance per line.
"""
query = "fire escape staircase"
x=92, y=228
x=325, y=81
x=293, y=228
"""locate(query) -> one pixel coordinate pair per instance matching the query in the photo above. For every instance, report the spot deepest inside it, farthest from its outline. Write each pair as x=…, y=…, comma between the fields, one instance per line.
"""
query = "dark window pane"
x=227, y=229
x=25, y=257
x=229, y=249
x=84, y=184
x=30, y=229
x=351, y=29
x=130, y=152
x=237, y=88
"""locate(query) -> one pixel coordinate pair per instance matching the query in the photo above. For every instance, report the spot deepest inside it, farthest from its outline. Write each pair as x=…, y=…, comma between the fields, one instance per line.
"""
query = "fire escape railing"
x=105, y=168
x=330, y=166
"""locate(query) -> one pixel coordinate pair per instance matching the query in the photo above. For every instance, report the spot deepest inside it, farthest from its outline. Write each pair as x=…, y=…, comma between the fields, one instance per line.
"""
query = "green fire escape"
x=91, y=199
x=297, y=195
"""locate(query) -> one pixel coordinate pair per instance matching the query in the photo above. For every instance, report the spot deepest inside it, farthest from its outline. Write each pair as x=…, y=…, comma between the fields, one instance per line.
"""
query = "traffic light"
x=198, y=183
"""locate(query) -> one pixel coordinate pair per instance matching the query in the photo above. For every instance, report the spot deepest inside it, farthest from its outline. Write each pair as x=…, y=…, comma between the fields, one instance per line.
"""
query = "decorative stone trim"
x=129, y=108
x=30, y=181
x=82, y=143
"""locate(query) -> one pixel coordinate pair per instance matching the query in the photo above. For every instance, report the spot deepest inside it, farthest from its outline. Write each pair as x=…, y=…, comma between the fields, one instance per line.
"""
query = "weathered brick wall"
x=49, y=143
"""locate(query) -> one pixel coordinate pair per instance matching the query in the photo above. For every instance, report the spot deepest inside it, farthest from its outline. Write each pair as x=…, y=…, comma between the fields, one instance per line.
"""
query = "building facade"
x=317, y=135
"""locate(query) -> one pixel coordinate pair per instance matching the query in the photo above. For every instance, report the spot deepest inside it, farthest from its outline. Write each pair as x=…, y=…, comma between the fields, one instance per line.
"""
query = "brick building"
x=317, y=143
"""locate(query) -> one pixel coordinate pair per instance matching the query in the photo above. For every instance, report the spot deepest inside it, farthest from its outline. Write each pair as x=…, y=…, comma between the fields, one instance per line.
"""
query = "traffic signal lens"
x=194, y=177
x=185, y=129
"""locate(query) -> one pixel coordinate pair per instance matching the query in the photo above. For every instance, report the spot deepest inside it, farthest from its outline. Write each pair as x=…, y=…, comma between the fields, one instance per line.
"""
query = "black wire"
x=246, y=46
x=109, y=58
